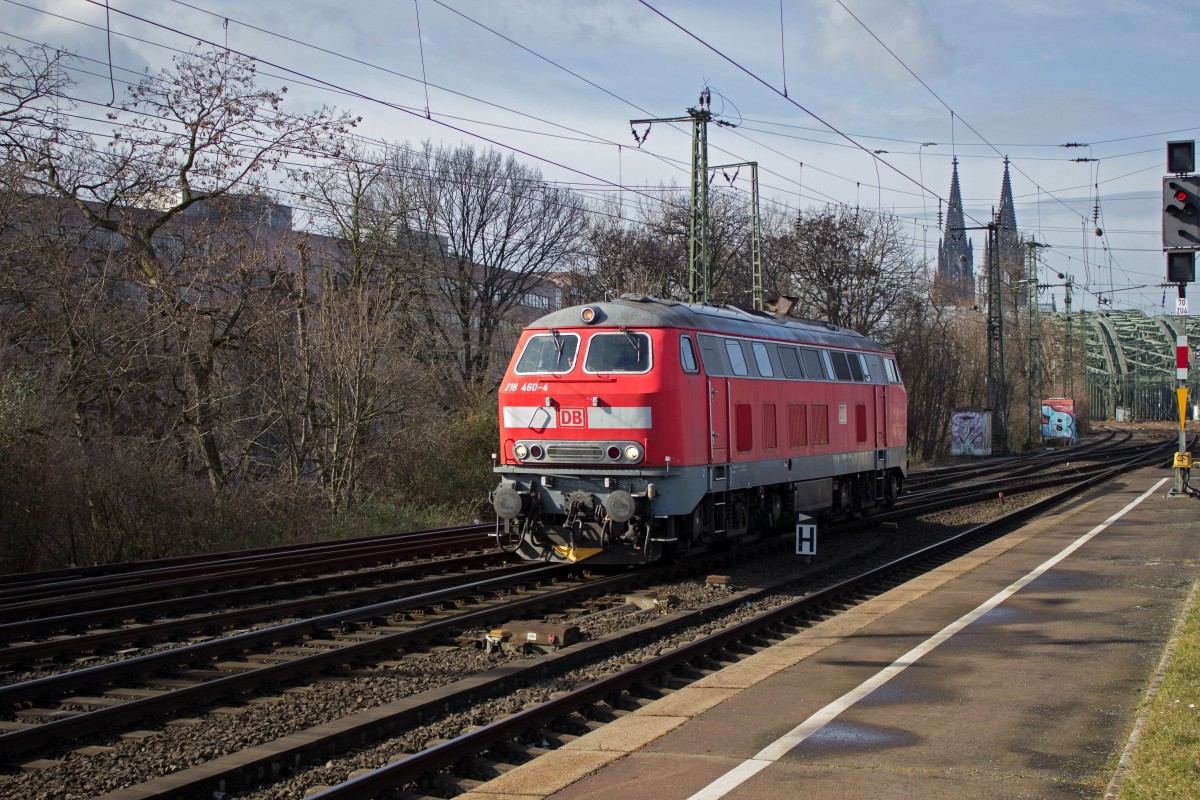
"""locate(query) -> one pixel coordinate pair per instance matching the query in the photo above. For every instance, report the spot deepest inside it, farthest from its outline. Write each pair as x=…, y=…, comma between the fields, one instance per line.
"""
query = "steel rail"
x=64, y=579
x=217, y=620
x=1031, y=462
x=201, y=588
x=54, y=685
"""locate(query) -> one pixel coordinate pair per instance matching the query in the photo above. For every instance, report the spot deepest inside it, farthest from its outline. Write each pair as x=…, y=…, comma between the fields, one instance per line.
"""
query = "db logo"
x=570, y=417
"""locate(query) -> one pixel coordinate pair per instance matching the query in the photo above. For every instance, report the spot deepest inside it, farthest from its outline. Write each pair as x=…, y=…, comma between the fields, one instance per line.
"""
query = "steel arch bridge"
x=1129, y=363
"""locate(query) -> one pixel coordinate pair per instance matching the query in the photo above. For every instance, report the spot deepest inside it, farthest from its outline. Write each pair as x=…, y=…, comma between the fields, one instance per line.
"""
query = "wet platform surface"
x=1012, y=672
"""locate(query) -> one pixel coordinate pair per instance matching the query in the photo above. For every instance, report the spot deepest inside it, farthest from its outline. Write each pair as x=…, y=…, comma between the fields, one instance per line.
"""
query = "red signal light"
x=1181, y=195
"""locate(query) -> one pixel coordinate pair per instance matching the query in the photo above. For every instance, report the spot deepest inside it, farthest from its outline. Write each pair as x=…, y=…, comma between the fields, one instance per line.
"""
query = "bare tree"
x=651, y=253
x=486, y=232
x=194, y=134
x=343, y=364
x=32, y=86
x=851, y=267
x=630, y=257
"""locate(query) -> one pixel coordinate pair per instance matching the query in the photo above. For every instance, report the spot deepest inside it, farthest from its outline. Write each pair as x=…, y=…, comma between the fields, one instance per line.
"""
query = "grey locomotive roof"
x=640, y=311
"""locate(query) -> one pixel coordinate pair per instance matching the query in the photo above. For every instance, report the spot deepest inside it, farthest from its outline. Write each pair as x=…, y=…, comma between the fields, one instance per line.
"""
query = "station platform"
x=1013, y=672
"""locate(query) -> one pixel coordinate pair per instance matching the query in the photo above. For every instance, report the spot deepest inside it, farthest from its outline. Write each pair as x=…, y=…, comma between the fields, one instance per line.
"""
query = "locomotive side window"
x=828, y=364
x=687, y=355
x=856, y=367
x=762, y=359
x=789, y=357
x=737, y=359
x=548, y=353
x=892, y=373
x=618, y=352
x=841, y=369
x=710, y=353
x=814, y=366
x=874, y=365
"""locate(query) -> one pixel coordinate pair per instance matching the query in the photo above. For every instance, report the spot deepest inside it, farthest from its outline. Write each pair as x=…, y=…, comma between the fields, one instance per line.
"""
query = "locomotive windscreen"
x=618, y=352
x=551, y=352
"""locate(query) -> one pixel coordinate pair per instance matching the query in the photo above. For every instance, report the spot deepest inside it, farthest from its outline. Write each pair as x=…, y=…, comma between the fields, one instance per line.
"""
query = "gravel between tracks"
x=183, y=743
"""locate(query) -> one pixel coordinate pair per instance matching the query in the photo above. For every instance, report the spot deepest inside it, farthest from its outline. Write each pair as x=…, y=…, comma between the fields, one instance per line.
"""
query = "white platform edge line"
x=782, y=746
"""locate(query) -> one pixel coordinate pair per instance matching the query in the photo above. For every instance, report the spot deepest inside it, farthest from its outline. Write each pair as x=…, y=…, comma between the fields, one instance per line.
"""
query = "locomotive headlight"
x=633, y=453
x=521, y=452
x=588, y=314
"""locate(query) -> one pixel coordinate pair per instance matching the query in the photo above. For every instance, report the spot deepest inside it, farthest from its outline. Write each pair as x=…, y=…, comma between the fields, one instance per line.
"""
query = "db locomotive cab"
x=578, y=476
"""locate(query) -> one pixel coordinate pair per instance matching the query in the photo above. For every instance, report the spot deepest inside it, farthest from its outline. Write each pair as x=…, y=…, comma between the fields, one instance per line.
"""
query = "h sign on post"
x=806, y=536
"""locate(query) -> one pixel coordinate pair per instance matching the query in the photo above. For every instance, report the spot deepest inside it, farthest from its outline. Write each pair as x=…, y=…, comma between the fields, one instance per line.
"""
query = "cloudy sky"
x=812, y=89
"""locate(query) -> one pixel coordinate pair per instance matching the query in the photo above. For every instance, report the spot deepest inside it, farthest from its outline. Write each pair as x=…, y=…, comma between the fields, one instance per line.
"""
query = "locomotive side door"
x=715, y=369
x=881, y=418
x=718, y=420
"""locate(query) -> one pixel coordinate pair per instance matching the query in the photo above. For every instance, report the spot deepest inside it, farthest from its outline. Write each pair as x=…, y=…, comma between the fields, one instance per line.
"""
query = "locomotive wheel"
x=775, y=509
x=893, y=489
x=844, y=497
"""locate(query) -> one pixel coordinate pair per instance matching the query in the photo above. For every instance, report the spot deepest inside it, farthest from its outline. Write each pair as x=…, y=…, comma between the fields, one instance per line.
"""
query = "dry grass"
x=1166, y=762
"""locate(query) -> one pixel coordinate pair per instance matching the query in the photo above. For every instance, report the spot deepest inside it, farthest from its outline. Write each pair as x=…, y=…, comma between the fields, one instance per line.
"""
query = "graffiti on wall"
x=1058, y=420
x=970, y=432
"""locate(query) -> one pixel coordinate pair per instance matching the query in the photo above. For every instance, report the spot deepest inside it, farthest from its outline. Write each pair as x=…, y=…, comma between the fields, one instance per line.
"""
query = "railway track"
x=211, y=614
x=397, y=715
x=1032, y=462
x=40, y=594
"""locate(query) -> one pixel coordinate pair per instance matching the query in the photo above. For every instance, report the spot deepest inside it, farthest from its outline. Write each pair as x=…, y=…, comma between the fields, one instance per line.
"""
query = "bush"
x=438, y=472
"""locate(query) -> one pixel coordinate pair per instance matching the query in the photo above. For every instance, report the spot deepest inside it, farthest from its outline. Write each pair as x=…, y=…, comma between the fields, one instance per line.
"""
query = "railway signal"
x=1181, y=157
x=1181, y=211
x=1181, y=238
x=1181, y=266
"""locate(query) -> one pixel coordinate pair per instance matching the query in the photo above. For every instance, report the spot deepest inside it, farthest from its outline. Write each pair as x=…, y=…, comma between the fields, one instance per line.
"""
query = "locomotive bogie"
x=642, y=428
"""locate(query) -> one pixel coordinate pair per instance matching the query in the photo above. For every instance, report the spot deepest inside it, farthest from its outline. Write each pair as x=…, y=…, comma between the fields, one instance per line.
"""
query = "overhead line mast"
x=698, y=267
x=756, y=277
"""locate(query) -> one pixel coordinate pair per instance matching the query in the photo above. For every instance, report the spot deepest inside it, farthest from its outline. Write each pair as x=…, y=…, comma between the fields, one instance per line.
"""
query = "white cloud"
x=834, y=39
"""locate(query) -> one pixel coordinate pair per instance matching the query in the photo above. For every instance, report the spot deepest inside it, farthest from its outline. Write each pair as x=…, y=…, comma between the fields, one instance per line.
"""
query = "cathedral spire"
x=954, y=214
x=1008, y=213
x=1008, y=239
x=956, y=258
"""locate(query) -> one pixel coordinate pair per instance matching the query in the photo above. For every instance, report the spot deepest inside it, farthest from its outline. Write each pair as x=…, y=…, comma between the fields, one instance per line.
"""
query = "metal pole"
x=1030, y=365
x=1182, y=468
x=756, y=279
x=698, y=270
x=997, y=383
x=1069, y=391
x=699, y=223
x=755, y=241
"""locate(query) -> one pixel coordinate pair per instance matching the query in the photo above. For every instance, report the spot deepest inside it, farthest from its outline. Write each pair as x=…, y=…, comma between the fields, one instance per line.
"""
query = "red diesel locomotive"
x=642, y=428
